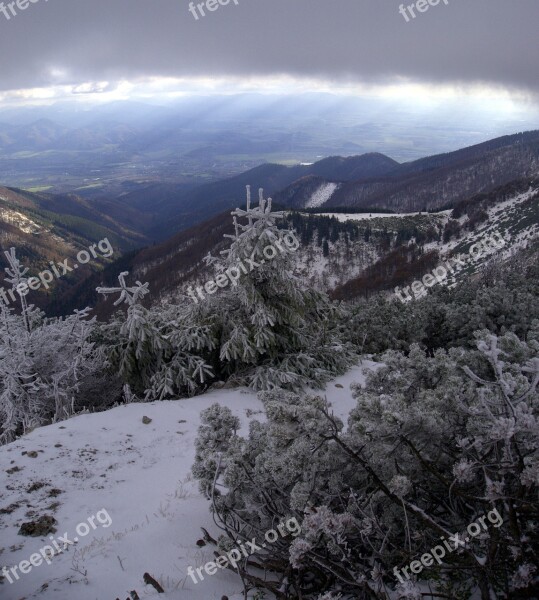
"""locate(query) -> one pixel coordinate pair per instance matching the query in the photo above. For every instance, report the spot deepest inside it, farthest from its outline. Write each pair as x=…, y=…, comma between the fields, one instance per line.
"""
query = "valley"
x=269, y=300
x=163, y=230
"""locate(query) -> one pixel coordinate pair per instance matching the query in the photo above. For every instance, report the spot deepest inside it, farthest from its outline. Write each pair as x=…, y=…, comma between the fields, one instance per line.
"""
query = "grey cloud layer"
x=491, y=41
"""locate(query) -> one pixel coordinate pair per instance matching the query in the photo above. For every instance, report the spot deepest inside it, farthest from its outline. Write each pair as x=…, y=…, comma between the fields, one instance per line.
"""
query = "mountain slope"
x=331, y=255
x=69, y=210
x=44, y=228
x=434, y=182
x=166, y=267
x=510, y=213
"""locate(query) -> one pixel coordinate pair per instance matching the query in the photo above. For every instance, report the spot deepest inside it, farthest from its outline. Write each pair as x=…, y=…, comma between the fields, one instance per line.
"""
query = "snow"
x=140, y=475
x=343, y=217
x=322, y=195
x=502, y=207
x=19, y=220
x=504, y=218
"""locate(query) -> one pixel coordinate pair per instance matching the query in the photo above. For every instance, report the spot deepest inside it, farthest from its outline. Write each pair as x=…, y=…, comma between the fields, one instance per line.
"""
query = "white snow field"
x=343, y=217
x=140, y=475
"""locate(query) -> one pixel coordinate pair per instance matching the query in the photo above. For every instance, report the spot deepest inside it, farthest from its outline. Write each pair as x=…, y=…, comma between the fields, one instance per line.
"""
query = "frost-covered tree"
x=219, y=425
x=433, y=444
x=132, y=343
x=159, y=352
x=45, y=364
x=263, y=328
x=20, y=404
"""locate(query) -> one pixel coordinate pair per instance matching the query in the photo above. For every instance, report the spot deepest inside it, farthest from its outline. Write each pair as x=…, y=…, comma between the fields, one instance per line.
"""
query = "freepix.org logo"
x=8, y=8
x=437, y=553
x=197, y=9
x=421, y=6
x=233, y=557
x=57, y=270
x=484, y=247
x=57, y=546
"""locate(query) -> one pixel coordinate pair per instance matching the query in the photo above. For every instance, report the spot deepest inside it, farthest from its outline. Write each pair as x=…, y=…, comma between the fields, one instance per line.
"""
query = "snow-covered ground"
x=343, y=217
x=112, y=465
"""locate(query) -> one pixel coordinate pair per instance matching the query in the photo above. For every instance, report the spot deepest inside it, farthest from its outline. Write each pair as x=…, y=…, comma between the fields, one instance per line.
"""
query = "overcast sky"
x=94, y=44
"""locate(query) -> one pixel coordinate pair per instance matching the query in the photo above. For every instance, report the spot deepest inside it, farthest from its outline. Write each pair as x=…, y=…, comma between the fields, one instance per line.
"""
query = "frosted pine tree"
x=271, y=330
x=157, y=352
x=136, y=345
x=263, y=328
x=19, y=395
x=42, y=361
x=16, y=275
x=21, y=403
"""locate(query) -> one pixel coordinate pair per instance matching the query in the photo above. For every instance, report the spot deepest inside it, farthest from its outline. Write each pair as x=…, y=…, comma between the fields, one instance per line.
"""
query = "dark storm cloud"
x=74, y=41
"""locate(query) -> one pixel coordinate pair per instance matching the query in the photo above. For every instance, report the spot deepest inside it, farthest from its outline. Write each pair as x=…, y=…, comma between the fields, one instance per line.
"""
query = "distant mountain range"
x=173, y=208
x=365, y=181
x=45, y=134
x=107, y=149
x=430, y=183
x=187, y=220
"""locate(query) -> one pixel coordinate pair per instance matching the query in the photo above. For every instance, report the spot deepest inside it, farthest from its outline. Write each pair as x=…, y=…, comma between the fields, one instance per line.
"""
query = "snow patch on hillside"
x=322, y=195
x=19, y=220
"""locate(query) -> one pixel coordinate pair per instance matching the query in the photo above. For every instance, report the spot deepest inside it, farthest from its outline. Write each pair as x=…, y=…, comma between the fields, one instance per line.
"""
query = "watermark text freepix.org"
x=57, y=546
x=421, y=6
x=56, y=270
x=439, y=552
x=232, y=274
x=209, y=5
x=233, y=557
x=487, y=245
x=8, y=8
